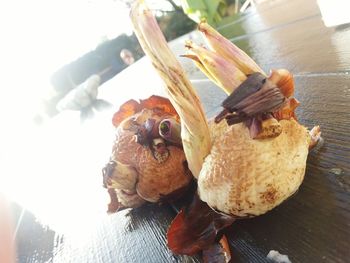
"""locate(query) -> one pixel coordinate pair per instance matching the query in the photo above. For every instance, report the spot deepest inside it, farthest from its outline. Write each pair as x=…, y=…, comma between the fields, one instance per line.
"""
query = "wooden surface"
x=312, y=226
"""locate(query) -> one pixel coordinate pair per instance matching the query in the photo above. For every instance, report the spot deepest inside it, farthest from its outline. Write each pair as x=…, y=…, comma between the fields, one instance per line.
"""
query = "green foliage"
x=175, y=24
x=210, y=10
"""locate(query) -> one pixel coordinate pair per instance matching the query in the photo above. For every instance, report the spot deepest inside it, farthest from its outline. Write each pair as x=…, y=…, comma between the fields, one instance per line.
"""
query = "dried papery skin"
x=122, y=177
x=226, y=247
x=287, y=111
x=257, y=175
x=283, y=80
x=251, y=85
x=263, y=126
x=315, y=137
x=195, y=228
x=195, y=131
x=131, y=107
x=158, y=179
x=270, y=128
x=229, y=51
x=254, y=96
x=128, y=109
x=199, y=64
x=114, y=204
x=143, y=166
x=161, y=103
x=252, y=102
x=221, y=71
x=267, y=99
x=129, y=200
x=155, y=177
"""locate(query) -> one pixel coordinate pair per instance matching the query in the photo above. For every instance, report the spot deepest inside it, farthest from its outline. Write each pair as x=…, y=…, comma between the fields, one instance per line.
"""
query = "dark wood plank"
x=297, y=40
x=137, y=235
x=301, y=47
x=267, y=16
x=325, y=101
x=34, y=241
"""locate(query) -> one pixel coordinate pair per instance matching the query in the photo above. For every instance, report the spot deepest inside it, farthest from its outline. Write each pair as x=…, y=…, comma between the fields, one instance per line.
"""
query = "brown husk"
x=196, y=228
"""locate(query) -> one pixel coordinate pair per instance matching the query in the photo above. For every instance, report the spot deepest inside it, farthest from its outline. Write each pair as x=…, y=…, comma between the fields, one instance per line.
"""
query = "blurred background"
x=58, y=45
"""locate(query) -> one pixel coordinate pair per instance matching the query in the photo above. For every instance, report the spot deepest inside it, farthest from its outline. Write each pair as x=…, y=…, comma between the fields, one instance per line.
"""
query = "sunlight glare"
x=53, y=170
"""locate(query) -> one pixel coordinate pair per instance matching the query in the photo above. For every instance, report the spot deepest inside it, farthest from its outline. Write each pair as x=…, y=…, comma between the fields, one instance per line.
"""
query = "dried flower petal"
x=229, y=51
x=195, y=228
x=199, y=64
x=315, y=137
x=128, y=109
x=131, y=107
x=270, y=128
x=284, y=81
x=221, y=71
x=256, y=95
x=287, y=111
x=195, y=131
x=158, y=102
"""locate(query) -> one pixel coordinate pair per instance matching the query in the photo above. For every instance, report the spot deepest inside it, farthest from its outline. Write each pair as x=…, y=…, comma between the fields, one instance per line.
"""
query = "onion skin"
x=195, y=228
x=256, y=175
x=143, y=166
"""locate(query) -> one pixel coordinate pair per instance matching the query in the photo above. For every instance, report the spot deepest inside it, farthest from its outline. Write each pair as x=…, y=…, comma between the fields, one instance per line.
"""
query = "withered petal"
x=114, y=205
x=126, y=110
x=159, y=102
x=284, y=81
x=288, y=110
x=252, y=84
x=131, y=107
x=195, y=228
x=256, y=95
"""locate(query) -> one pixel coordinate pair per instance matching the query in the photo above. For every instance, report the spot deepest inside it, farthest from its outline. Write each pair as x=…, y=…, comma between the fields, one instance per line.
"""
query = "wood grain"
x=137, y=235
x=292, y=35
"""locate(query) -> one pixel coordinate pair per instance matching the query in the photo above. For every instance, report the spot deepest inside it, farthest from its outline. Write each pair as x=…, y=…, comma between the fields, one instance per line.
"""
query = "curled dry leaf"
x=128, y=109
x=131, y=107
x=196, y=228
x=288, y=110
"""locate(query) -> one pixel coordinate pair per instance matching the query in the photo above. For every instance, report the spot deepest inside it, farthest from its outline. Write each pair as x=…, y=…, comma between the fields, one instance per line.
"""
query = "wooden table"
x=312, y=226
